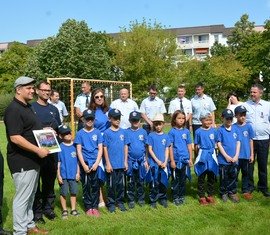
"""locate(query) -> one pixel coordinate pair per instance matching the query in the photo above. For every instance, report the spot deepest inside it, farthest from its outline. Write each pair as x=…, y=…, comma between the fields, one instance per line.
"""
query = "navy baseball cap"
x=88, y=114
x=227, y=113
x=63, y=130
x=240, y=109
x=114, y=113
x=134, y=116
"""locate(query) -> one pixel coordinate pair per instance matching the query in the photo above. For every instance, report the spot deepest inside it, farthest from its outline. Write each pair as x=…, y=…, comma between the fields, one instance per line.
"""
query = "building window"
x=216, y=37
x=203, y=39
x=187, y=52
x=184, y=39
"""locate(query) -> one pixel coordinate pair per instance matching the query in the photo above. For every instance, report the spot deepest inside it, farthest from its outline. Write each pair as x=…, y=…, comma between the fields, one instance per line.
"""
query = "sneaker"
x=131, y=205
x=224, y=197
x=203, y=201
x=74, y=213
x=210, y=200
x=122, y=207
x=101, y=204
x=141, y=203
x=153, y=205
x=181, y=200
x=95, y=213
x=176, y=202
x=64, y=214
x=164, y=203
x=247, y=196
x=89, y=212
x=111, y=209
x=234, y=198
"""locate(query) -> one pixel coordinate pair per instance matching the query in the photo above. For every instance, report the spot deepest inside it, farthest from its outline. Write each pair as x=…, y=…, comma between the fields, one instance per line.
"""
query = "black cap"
x=88, y=114
x=114, y=113
x=227, y=113
x=240, y=109
x=63, y=130
x=134, y=116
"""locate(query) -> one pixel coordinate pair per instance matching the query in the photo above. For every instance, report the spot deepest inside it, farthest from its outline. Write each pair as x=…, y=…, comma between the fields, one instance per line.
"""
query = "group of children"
x=132, y=158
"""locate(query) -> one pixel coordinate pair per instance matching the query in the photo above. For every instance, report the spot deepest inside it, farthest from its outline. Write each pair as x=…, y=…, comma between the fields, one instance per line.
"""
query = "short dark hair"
x=234, y=94
x=42, y=82
x=152, y=87
x=259, y=86
x=199, y=84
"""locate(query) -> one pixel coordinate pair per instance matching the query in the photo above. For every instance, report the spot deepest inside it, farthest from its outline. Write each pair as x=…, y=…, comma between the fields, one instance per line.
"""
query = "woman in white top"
x=233, y=102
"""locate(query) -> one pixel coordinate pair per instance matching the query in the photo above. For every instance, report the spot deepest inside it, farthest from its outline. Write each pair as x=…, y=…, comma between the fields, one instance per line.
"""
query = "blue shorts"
x=72, y=185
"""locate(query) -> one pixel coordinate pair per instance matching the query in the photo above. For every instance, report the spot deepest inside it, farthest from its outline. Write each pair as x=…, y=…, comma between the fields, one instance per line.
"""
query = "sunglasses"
x=99, y=97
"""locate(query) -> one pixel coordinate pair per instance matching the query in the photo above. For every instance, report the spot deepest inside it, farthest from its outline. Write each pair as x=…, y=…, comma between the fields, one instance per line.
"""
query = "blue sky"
x=39, y=19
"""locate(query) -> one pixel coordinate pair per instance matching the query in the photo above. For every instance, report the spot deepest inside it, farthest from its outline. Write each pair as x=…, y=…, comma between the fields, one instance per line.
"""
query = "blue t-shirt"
x=68, y=161
x=101, y=120
x=48, y=115
x=136, y=141
x=246, y=133
x=228, y=140
x=115, y=142
x=159, y=143
x=205, y=139
x=180, y=139
x=89, y=142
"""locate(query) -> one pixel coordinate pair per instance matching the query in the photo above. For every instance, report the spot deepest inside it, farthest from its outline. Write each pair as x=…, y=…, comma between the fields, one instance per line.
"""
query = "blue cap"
x=114, y=113
x=227, y=113
x=63, y=130
x=240, y=109
x=88, y=114
x=134, y=116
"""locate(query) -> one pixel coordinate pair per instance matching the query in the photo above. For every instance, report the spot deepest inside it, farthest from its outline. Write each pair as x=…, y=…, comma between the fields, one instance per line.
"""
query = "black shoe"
x=266, y=193
x=50, y=215
x=111, y=209
x=153, y=205
x=5, y=232
x=164, y=203
x=131, y=205
x=122, y=207
x=39, y=220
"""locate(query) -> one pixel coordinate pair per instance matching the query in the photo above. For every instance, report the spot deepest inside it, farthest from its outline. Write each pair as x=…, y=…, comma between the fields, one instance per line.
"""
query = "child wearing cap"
x=89, y=149
x=206, y=164
x=246, y=155
x=180, y=155
x=228, y=143
x=158, y=147
x=115, y=154
x=68, y=173
x=137, y=164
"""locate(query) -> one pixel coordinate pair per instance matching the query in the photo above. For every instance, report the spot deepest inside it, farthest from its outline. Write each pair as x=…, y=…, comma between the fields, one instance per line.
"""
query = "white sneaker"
x=101, y=204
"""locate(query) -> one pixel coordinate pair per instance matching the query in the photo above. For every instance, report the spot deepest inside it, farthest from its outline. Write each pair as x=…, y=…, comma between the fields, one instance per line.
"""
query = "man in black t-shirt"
x=23, y=155
x=50, y=118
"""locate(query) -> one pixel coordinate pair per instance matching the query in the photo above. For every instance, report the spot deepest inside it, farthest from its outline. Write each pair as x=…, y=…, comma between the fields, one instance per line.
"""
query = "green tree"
x=74, y=52
x=219, y=50
x=12, y=65
x=146, y=55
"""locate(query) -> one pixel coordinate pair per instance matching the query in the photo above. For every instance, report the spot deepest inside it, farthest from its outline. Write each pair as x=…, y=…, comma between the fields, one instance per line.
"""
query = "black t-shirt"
x=20, y=119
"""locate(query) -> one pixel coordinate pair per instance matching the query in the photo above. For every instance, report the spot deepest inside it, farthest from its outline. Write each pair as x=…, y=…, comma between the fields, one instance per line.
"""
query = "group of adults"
x=30, y=165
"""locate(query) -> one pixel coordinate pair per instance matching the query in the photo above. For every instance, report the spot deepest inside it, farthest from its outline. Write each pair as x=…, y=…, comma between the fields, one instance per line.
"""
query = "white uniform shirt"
x=80, y=102
x=175, y=105
x=61, y=108
x=152, y=107
x=125, y=107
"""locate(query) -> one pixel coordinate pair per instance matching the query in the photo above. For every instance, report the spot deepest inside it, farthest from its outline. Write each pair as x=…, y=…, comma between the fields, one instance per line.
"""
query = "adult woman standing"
x=99, y=105
x=233, y=102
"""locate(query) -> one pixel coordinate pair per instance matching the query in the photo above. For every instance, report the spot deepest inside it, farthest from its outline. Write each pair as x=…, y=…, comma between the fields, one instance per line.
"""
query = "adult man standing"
x=60, y=105
x=126, y=106
x=151, y=106
x=49, y=117
x=201, y=103
x=23, y=155
x=82, y=102
x=258, y=115
x=181, y=103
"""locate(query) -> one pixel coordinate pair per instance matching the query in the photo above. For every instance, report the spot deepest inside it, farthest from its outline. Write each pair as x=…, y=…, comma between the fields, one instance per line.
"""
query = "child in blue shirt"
x=246, y=155
x=180, y=155
x=137, y=164
x=158, y=147
x=89, y=149
x=206, y=164
x=115, y=153
x=229, y=146
x=68, y=173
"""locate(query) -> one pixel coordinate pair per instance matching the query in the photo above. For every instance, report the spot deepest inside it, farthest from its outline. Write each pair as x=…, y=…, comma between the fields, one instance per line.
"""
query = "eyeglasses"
x=152, y=93
x=99, y=97
x=44, y=90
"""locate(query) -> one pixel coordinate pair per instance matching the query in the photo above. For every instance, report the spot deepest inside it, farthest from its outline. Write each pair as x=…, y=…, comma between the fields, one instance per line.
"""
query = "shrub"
x=5, y=99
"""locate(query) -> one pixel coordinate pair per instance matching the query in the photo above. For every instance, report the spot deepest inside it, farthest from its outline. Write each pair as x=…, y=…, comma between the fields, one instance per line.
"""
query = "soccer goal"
x=69, y=88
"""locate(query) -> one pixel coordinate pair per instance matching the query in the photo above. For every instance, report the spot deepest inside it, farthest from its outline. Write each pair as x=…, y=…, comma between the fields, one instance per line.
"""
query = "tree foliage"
x=74, y=52
x=12, y=65
x=146, y=55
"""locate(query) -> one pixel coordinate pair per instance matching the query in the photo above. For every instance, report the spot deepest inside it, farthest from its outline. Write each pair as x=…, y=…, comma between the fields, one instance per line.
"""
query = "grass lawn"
x=223, y=218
